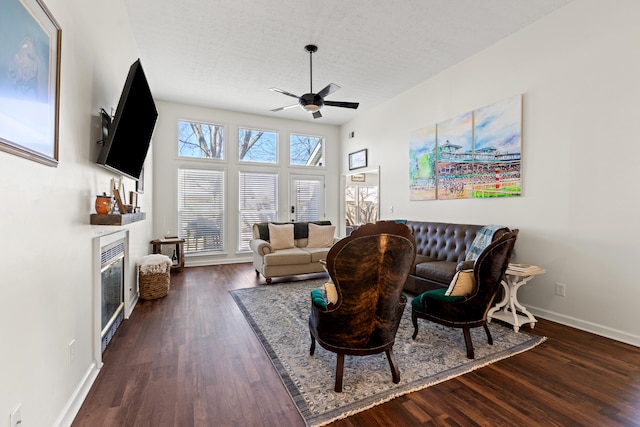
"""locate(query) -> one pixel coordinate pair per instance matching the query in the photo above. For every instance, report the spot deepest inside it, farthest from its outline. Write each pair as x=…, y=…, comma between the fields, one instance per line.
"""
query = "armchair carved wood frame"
x=469, y=311
x=369, y=269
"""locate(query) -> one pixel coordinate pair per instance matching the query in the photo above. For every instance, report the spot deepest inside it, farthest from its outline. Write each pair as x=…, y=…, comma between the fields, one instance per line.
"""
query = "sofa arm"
x=261, y=247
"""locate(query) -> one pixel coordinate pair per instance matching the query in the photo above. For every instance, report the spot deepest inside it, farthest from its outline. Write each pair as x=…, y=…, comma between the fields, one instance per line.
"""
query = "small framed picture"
x=358, y=159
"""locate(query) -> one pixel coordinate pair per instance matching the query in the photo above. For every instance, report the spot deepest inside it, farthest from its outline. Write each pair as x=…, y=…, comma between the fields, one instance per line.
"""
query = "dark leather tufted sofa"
x=440, y=247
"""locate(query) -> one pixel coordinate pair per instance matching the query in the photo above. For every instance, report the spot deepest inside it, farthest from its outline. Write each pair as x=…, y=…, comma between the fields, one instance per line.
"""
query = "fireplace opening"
x=112, y=289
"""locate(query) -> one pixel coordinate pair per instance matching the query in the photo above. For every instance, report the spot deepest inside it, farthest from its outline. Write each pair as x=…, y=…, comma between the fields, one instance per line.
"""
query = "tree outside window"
x=200, y=140
x=257, y=146
x=362, y=204
x=305, y=150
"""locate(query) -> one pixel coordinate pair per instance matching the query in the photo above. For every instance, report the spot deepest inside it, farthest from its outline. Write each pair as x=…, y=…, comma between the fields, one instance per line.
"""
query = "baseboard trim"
x=74, y=403
x=204, y=262
x=594, y=328
x=133, y=305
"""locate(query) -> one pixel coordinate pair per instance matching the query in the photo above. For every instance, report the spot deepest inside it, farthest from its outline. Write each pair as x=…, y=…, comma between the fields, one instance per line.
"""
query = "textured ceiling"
x=227, y=54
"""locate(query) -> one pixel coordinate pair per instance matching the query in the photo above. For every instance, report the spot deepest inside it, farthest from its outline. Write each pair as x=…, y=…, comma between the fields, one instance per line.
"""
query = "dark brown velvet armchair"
x=468, y=311
x=369, y=269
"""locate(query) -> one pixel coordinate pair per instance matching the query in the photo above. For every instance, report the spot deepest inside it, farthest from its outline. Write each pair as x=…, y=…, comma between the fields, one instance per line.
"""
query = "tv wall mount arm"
x=106, y=125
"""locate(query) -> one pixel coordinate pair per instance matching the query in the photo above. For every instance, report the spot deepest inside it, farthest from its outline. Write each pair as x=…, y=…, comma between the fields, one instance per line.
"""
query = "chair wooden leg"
x=467, y=340
x=414, y=320
x=395, y=373
x=313, y=344
x=257, y=273
x=489, y=337
x=339, y=370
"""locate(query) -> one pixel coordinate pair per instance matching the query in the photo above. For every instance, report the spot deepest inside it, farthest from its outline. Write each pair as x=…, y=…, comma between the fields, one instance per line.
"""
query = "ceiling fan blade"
x=284, y=108
x=353, y=105
x=317, y=115
x=328, y=90
x=284, y=92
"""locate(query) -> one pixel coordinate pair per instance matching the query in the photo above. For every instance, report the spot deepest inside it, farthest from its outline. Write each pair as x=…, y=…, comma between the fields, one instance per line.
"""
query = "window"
x=306, y=150
x=201, y=210
x=257, y=146
x=362, y=204
x=258, y=203
x=200, y=140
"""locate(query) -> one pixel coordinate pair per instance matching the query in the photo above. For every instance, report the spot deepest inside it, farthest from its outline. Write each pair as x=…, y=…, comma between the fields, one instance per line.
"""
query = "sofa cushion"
x=321, y=236
x=463, y=283
x=316, y=254
x=287, y=257
x=281, y=236
x=441, y=271
x=419, y=260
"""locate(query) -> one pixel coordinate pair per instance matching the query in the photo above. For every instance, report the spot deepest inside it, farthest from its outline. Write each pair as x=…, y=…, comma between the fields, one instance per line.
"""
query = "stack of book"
x=523, y=268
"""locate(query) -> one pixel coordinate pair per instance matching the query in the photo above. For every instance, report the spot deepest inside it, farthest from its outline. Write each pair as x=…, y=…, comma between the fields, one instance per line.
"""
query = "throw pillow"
x=463, y=283
x=331, y=293
x=324, y=298
x=281, y=236
x=321, y=236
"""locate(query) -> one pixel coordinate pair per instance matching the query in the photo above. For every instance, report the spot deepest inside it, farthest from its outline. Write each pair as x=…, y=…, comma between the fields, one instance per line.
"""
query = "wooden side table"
x=509, y=309
x=179, y=248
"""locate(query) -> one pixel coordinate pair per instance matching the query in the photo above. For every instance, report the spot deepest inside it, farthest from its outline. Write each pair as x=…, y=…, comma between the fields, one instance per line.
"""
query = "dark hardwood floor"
x=191, y=359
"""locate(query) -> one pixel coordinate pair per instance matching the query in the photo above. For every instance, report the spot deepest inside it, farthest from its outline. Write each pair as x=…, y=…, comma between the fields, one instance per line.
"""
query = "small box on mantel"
x=117, y=219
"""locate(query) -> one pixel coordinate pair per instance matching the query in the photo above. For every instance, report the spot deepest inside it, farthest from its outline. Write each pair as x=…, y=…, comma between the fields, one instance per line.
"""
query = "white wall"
x=167, y=162
x=578, y=217
x=46, y=245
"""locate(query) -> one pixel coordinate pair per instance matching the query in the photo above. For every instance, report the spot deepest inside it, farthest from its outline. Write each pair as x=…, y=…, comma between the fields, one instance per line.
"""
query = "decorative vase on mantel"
x=103, y=204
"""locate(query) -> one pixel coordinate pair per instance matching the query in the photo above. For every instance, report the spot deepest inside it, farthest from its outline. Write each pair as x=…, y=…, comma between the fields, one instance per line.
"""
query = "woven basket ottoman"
x=154, y=276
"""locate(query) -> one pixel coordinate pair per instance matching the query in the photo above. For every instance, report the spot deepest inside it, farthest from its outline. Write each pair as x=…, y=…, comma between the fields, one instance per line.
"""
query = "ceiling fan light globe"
x=311, y=108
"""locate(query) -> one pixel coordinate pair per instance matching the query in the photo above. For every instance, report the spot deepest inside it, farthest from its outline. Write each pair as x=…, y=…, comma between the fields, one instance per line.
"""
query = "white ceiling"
x=227, y=54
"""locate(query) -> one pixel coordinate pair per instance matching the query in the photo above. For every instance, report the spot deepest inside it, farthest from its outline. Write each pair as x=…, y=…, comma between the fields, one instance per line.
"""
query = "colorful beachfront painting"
x=422, y=164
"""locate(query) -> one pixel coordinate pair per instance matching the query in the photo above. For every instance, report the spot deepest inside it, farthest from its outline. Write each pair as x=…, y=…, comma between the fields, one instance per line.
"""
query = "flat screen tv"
x=126, y=138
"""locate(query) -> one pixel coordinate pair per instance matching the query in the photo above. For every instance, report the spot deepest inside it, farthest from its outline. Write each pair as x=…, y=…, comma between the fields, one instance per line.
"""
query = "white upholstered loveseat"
x=284, y=249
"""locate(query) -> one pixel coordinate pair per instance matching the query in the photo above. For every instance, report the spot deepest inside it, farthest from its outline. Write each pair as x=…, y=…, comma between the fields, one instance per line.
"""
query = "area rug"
x=279, y=316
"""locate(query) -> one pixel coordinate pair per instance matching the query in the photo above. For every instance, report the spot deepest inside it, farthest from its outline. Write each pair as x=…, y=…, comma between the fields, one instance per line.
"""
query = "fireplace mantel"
x=117, y=219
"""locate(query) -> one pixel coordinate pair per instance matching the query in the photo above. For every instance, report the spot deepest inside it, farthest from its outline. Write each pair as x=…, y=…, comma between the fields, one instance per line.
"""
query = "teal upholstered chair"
x=369, y=269
x=468, y=311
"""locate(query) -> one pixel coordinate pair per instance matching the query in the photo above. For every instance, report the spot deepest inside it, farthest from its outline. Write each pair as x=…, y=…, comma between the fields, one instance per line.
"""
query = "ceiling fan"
x=313, y=102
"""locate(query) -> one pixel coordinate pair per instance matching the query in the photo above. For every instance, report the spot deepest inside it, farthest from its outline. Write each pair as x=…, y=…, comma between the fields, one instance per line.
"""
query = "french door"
x=306, y=198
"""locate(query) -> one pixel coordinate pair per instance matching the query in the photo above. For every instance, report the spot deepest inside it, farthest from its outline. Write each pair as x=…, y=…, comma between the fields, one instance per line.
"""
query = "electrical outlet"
x=15, y=418
x=561, y=289
x=72, y=351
